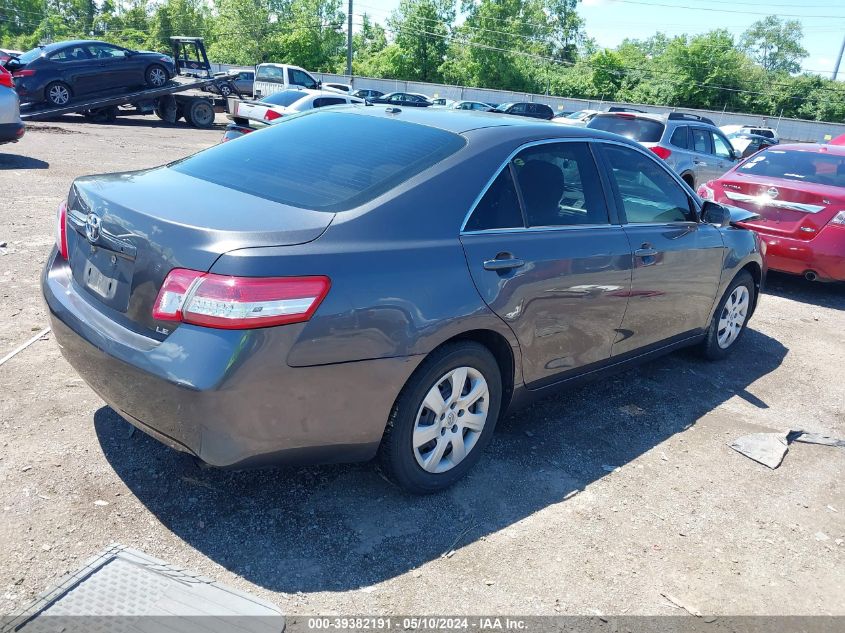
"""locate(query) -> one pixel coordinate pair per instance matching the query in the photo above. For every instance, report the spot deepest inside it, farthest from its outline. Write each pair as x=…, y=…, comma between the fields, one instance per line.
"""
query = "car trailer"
x=168, y=102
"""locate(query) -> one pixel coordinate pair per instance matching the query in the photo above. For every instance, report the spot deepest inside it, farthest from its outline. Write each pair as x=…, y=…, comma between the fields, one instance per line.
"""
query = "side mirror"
x=716, y=214
x=735, y=154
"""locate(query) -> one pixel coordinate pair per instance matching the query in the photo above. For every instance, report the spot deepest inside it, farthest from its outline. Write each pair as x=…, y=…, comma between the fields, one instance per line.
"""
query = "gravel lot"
x=682, y=515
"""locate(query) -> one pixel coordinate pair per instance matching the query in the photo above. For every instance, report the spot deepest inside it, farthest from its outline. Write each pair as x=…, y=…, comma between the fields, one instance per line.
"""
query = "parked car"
x=748, y=144
x=369, y=95
x=56, y=73
x=307, y=330
x=478, y=106
x=578, y=119
x=279, y=104
x=243, y=83
x=838, y=140
x=7, y=54
x=270, y=78
x=338, y=87
x=404, y=99
x=442, y=102
x=690, y=144
x=798, y=192
x=533, y=110
x=11, y=126
x=759, y=130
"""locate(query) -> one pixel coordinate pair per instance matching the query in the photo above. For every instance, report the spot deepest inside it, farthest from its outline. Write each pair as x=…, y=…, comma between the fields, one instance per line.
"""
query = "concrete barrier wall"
x=788, y=129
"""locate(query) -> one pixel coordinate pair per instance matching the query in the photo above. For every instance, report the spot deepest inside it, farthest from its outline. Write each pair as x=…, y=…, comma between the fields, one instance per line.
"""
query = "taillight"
x=705, y=191
x=26, y=72
x=839, y=219
x=6, y=79
x=237, y=303
x=61, y=230
x=663, y=152
x=272, y=115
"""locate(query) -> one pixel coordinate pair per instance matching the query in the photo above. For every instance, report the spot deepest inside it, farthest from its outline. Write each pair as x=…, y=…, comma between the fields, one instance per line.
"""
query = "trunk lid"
x=785, y=207
x=127, y=231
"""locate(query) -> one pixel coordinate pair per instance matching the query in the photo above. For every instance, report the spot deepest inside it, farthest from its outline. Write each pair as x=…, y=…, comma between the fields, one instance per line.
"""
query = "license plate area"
x=104, y=273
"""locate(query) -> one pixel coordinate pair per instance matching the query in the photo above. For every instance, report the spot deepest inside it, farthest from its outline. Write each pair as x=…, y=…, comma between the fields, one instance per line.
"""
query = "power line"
x=680, y=6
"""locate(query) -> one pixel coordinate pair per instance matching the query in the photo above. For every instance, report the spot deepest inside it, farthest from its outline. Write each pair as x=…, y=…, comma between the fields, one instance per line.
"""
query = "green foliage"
x=519, y=45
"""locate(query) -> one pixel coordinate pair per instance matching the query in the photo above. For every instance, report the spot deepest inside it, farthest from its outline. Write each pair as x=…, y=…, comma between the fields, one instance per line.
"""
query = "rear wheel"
x=156, y=76
x=443, y=418
x=225, y=90
x=200, y=113
x=57, y=94
x=731, y=317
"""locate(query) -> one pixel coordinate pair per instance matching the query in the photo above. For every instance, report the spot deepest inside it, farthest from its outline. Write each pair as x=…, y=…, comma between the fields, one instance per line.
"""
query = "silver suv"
x=691, y=145
x=11, y=126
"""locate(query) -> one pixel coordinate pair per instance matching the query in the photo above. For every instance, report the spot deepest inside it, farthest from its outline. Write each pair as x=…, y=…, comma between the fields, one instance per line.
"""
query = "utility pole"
x=349, y=40
x=838, y=58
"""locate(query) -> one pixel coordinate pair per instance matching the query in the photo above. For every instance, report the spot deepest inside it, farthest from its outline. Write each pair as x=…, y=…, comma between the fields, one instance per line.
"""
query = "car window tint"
x=802, y=166
x=701, y=141
x=328, y=101
x=397, y=97
x=629, y=126
x=499, y=208
x=71, y=54
x=301, y=78
x=680, y=137
x=647, y=192
x=348, y=176
x=560, y=185
x=101, y=51
x=721, y=147
x=284, y=97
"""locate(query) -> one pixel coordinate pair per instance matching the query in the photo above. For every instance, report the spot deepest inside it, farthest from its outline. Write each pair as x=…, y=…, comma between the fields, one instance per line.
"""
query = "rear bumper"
x=227, y=397
x=11, y=132
x=824, y=254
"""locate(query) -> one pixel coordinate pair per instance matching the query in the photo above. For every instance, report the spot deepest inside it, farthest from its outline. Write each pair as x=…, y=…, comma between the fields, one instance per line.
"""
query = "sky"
x=611, y=21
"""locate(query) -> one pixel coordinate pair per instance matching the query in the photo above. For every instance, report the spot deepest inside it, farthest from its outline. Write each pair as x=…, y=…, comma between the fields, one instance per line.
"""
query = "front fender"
x=744, y=251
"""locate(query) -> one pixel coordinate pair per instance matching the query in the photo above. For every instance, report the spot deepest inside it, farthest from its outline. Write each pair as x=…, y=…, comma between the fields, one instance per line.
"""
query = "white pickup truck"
x=272, y=78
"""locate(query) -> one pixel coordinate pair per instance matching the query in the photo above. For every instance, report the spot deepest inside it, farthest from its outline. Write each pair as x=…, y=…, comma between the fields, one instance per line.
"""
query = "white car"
x=271, y=78
x=759, y=130
x=579, y=118
x=478, y=106
x=339, y=87
x=286, y=102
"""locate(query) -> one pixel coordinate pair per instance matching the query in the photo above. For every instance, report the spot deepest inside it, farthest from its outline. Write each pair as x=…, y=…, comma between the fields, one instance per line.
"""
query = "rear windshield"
x=322, y=160
x=284, y=98
x=634, y=128
x=30, y=56
x=822, y=169
x=271, y=74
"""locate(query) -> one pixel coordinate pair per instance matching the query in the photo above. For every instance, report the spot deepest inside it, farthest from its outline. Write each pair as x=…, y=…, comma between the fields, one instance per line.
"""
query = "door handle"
x=699, y=162
x=503, y=264
x=645, y=251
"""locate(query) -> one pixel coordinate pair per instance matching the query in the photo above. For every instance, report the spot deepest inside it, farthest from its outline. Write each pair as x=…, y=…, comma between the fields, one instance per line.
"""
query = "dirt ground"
x=600, y=499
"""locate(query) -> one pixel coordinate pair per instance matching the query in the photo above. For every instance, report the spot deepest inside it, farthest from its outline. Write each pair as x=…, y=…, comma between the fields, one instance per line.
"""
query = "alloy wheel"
x=733, y=317
x=59, y=95
x=158, y=77
x=451, y=419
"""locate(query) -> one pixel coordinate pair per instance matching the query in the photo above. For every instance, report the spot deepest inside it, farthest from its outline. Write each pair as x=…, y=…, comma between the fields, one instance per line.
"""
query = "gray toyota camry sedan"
x=267, y=300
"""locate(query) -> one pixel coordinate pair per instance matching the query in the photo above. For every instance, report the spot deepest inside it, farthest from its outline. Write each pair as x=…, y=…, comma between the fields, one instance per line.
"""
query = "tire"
x=225, y=90
x=57, y=94
x=166, y=109
x=730, y=318
x=102, y=115
x=433, y=464
x=200, y=114
x=156, y=76
x=690, y=180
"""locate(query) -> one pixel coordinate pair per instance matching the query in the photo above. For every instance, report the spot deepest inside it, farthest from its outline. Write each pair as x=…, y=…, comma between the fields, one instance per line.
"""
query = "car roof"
x=819, y=148
x=462, y=121
x=59, y=45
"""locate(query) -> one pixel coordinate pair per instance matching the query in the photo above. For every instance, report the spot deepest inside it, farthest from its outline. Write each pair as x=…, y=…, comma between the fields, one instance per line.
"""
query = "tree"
x=178, y=17
x=775, y=44
x=421, y=29
x=242, y=30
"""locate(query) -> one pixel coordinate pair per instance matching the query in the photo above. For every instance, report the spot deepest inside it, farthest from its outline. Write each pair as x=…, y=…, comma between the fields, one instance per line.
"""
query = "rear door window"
x=560, y=185
x=701, y=141
x=351, y=174
x=629, y=126
x=680, y=137
x=71, y=54
x=499, y=208
x=647, y=193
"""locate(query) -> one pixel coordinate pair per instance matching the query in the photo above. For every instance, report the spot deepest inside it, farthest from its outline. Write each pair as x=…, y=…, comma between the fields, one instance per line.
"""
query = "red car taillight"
x=662, y=151
x=61, y=230
x=272, y=115
x=237, y=303
x=24, y=73
x=6, y=79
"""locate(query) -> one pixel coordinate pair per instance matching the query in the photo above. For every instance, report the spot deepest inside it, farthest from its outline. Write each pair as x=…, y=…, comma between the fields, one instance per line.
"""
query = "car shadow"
x=15, y=161
x=140, y=120
x=336, y=528
x=822, y=294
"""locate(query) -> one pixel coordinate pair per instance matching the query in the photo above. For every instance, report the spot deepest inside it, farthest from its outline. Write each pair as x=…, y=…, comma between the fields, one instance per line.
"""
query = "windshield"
x=815, y=167
x=636, y=129
x=30, y=56
x=264, y=165
x=284, y=98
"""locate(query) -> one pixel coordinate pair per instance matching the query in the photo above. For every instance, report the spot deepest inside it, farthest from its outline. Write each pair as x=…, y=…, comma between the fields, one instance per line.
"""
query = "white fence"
x=788, y=129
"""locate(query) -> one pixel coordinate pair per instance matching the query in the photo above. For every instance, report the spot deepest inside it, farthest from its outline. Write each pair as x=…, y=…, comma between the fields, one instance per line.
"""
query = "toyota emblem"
x=772, y=192
x=92, y=227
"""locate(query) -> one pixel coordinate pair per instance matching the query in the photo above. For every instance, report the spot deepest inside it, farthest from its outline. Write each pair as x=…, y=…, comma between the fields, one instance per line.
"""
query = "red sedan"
x=799, y=193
